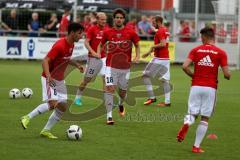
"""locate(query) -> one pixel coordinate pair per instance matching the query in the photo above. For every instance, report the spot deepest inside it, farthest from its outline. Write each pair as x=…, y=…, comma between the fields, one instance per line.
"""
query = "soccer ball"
x=74, y=132
x=14, y=93
x=27, y=93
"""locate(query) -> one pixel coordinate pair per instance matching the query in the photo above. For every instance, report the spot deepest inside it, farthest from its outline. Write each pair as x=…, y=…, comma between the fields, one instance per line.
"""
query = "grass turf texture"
x=130, y=138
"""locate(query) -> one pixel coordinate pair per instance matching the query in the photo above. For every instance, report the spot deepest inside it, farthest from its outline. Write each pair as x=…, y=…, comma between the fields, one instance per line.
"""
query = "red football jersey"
x=162, y=34
x=207, y=58
x=185, y=34
x=118, y=47
x=86, y=26
x=132, y=26
x=64, y=25
x=60, y=54
x=95, y=34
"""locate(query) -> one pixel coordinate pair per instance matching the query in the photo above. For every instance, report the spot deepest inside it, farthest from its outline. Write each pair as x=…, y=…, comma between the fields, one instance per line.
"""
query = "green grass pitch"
x=147, y=132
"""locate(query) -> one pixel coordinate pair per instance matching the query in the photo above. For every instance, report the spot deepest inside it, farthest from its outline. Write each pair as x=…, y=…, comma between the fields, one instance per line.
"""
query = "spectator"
x=168, y=25
x=193, y=32
x=64, y=22
x=3, y=28
x=234, y=34
x=132, y=24
x=12, y=22
x=211, y=25
x=34, y=25
x=221, y=34
x=185, y=33
x=144, y=27
x=154, y=27
x=51, y=25
x=78, y=19
x=93, y=18
x=180, y=27
x=86, y=23
x=152, y=30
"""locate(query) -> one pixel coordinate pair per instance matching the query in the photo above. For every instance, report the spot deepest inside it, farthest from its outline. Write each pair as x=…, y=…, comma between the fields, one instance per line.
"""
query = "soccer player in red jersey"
x=54, y=90
x=64, y=21
x=160, y=63
x=96, y=63
x=206, y=59
x=117, y=42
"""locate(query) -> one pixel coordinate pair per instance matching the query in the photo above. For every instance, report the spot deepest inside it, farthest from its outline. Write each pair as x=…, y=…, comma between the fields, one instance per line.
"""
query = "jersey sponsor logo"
x=117, y=42
x=207, y=51
x=206, y=61
x=99, y=36
x=119, y=35
x=69, y=57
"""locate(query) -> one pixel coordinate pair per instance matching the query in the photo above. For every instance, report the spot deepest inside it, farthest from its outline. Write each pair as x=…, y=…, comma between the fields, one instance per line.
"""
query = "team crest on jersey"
x=118, y=35
x=206, y=61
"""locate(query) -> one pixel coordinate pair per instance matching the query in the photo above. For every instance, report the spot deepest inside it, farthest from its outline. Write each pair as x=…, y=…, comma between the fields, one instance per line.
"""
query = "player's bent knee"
x=62, y=105
x=144, y=76
x=87, y=80
x=204, y=118
x=189, y=119
x=110, y=89
x=166, y=81
x=122, y=93
x=52, y=104
x=84, y=83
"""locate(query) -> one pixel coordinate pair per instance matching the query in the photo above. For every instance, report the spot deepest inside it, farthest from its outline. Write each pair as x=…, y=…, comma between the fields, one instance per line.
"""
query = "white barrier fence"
x=182, y=50
x=37, y=48
x=32, y=48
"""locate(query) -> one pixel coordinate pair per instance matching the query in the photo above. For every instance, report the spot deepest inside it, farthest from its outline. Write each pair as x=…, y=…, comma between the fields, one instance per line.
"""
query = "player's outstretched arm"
x=186, y=68
x=145, y=55
x=45, y=66
x=99, y=48
x=163, y=43
x=87, y=45
x=226, y=72
x=78, y=64
x=137, y=50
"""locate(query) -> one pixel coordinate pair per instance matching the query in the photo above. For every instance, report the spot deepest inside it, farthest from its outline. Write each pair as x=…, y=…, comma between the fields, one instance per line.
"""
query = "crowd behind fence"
x=53, y=24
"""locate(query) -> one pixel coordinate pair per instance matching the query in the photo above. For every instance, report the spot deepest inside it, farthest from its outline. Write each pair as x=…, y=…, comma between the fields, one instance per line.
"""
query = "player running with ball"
x=54, y=90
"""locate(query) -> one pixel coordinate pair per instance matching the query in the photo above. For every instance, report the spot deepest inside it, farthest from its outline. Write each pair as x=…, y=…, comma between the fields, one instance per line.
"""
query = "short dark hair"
x=74, y=27
x=158, y=18
x=208, y=32
x=119, y=11
x=67, y=7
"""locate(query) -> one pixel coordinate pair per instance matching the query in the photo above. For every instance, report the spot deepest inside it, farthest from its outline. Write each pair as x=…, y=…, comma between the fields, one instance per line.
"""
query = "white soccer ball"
x=27, y=92
x=74, y=132
x=14, y=93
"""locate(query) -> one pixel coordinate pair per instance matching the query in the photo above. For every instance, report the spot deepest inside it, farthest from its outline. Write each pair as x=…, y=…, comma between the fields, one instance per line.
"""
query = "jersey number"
x=109, y=79
x=91, y=71
x=55, y=92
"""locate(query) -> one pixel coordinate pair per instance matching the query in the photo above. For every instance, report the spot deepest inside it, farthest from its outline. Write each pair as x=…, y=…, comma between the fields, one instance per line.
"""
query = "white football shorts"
x=201, y=101
x=59, y=92
x=117, y=77
x=159, y=67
